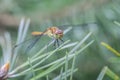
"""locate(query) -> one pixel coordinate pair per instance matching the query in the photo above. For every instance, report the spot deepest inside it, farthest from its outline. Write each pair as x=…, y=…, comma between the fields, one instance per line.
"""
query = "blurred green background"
x=96, y=16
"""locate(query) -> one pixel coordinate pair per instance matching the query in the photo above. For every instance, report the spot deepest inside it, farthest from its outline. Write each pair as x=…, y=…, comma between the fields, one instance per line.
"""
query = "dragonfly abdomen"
x=36, y=33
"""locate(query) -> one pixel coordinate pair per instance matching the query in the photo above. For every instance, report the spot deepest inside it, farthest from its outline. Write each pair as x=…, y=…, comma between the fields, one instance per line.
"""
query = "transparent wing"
x=17, y=45
x=75, y=25
x=29, y=42
x=32, y=43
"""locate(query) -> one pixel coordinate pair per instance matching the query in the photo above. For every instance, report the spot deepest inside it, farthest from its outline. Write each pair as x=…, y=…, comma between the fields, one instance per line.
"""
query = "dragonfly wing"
x=76, y=25
x=17, y=45
x=33, y=42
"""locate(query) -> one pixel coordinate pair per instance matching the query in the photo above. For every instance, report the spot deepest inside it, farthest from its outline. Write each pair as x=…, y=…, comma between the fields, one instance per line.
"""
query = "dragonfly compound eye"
x=58, y=32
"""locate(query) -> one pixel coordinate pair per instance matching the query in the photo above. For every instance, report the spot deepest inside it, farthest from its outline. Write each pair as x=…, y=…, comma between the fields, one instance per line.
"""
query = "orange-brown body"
x=53, y=32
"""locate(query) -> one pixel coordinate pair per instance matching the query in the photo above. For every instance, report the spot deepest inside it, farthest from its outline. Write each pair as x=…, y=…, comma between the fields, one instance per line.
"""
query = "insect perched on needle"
x=53, y=32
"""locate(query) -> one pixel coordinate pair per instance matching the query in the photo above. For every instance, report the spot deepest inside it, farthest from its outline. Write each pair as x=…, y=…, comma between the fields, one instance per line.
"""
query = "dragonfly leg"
x=54, y=43
x=57, y=42
x=61, y=40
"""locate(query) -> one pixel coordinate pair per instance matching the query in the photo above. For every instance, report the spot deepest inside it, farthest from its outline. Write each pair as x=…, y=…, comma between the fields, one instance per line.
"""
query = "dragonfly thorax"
x=54, y=32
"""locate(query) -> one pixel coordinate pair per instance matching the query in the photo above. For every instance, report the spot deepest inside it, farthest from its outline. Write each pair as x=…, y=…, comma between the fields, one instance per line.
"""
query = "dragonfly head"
x=59, y=33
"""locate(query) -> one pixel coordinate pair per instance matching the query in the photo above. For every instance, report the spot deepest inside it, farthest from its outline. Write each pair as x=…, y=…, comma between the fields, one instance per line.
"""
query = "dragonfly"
x=53, y=32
